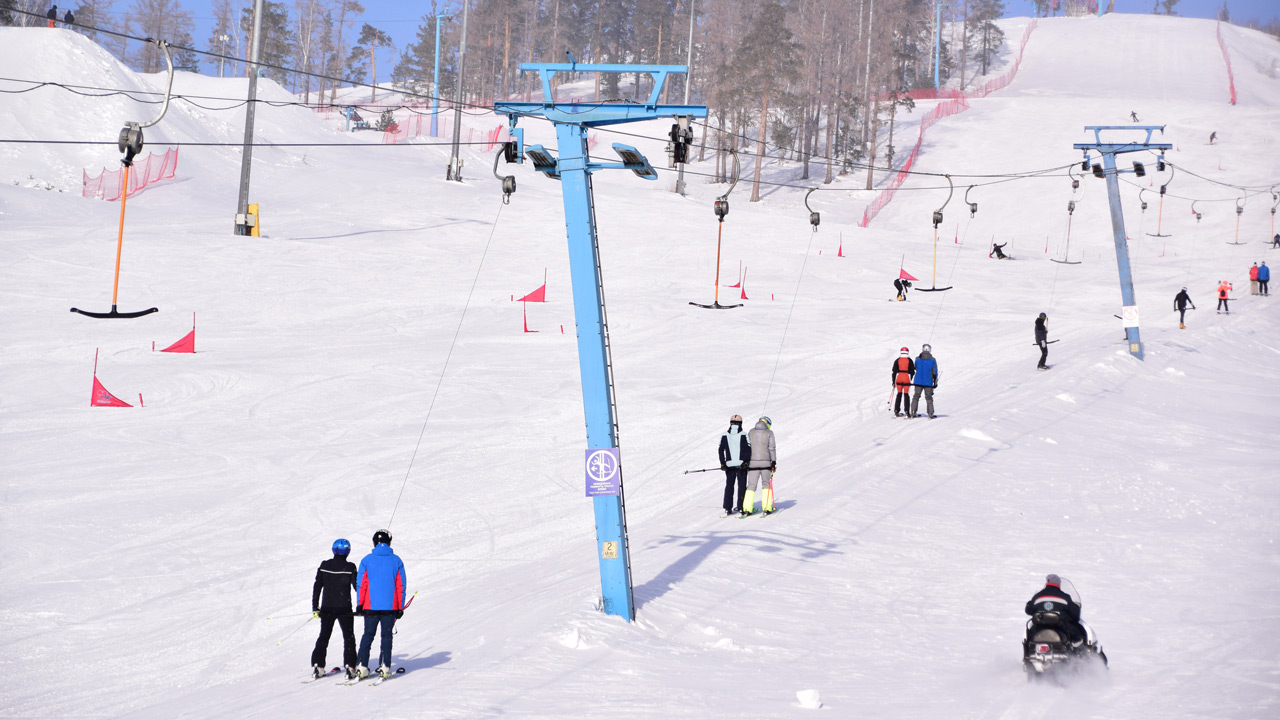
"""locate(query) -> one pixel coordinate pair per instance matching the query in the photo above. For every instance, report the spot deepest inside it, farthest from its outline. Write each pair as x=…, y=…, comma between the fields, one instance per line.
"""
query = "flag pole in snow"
x=1109, y=150
x=574, y=169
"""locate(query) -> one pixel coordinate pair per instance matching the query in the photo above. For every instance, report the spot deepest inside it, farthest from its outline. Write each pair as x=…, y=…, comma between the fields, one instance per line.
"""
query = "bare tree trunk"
x=871, y=156
x=764, y=127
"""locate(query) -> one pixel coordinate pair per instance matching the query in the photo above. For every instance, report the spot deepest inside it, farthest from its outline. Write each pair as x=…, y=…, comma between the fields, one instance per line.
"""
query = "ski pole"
x=304, y=624
x=686, y=472
x=273, y=617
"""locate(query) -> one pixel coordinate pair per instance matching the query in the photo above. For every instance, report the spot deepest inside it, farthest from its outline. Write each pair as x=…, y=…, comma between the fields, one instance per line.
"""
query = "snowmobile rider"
x=335, y=579
x=901, y=285
x=380, y=585
x=901, y=373
x=735, y=453
x=1180, y=303
x=1042, y=339
x=764, y=460
x=997, y=251
x=1053, y=599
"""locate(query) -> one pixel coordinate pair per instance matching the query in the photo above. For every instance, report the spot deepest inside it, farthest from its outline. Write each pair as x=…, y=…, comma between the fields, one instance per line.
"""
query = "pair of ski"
x=377, y=680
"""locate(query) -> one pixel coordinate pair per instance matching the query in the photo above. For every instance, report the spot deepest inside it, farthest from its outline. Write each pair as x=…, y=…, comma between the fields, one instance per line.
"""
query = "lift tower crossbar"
x=1109, y=150
x=574, y=168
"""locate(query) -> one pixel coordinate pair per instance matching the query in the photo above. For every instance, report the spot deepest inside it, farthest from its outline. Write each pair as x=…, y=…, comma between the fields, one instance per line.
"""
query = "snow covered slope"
x=146, y=548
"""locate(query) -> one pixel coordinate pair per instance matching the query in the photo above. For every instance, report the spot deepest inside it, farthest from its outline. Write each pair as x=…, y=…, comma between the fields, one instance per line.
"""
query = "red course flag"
x=904, y=275
x=103, y=397
x=186, y=345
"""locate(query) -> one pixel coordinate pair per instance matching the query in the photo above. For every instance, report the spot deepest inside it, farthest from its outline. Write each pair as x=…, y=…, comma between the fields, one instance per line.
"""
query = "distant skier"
x=1213, y=136
x=380, y=583
x=1042, y=339
x=997, y=251
x=901, y=372
x=901, y=285
x=735, y=453
x=764, y=460
x=1253, y=279
x=1180, y=303
x=1264, y=277
x=1224, y=289
x=52, y=15
x=925, y=380
x=1133, y=115
x=1275, y=241
x=335, y=579
x=68, y=20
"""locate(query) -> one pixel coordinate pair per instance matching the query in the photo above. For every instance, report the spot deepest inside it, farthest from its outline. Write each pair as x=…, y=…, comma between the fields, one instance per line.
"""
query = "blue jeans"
x=371, y=624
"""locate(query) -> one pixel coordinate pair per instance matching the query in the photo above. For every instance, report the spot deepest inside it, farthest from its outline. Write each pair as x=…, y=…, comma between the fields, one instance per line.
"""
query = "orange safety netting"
x=1226, y=57
x=957, y=104
x=107, y=186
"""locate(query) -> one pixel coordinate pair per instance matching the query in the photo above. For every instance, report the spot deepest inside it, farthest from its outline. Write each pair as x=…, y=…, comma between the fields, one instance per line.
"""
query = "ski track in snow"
x=893, y=583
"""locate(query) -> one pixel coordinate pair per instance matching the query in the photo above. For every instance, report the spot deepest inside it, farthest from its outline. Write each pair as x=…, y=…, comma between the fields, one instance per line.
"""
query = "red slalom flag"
x=186, y=345
x=904, y=275
x=103, y=398
x=539, y=295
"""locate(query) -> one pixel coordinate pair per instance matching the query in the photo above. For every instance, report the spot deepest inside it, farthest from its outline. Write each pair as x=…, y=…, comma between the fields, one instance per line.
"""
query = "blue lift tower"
x=573, y=168
x=1109, y=170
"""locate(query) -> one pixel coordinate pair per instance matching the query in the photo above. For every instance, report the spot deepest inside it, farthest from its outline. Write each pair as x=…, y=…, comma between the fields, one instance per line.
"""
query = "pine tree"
x=985, y=36
x=222, y=38
x=362, y=56
x=416, y=64
x=768, y=60
x=6, y=12
x=277, y=38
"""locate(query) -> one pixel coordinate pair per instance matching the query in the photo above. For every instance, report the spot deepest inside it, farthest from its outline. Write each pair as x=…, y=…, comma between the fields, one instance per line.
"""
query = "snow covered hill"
x=146, y=548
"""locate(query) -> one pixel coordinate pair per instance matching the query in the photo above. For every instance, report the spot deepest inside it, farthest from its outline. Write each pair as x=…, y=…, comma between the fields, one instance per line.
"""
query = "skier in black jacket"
x=997, y=251
x=1042, y=339
x=735, y=453
x=336, y=577
x=1180, y=303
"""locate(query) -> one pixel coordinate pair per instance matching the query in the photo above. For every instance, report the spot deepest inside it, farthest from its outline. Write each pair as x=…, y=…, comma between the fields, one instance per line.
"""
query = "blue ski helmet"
x=767, y=422
x=341, y=546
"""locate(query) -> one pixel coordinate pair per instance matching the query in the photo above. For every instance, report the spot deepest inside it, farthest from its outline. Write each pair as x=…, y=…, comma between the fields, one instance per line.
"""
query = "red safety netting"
x=957, y=104
x=419, y=125
x=1226, y=57
x=144, y=173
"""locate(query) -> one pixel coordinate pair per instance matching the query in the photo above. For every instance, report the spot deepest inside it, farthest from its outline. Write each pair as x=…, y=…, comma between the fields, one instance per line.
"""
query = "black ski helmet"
x=382, y=537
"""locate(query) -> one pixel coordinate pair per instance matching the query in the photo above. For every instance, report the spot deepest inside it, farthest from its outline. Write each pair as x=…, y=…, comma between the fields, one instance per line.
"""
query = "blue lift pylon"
x=1109, y=170
x=573, y=167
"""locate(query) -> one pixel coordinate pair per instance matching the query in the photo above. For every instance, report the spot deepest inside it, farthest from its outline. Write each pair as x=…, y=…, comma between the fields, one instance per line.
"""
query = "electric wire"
x=184, y=143
x=795, y=296
x=443, y=370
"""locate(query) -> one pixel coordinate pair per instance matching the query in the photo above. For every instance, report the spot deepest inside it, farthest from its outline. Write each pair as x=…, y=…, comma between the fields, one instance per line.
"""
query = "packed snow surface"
x=146, y=548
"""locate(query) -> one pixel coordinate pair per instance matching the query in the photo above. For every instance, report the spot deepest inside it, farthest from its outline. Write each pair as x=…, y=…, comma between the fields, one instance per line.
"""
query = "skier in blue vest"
x=380, y=587
x=925, y=380
x=735, y=453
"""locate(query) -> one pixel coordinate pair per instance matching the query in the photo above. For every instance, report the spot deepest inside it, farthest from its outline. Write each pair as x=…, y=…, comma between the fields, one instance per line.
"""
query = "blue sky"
x=401, y=18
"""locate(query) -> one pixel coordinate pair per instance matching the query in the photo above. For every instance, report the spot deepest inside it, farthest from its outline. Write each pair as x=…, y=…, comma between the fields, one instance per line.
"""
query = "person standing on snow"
x=52, y=15
x=1275, y=241
x=1224, y=289
x=735, y=453
x=901, y=285
x=1180, y=303
x=1042, y=339
x=1213, y=136
x=1253, y=279
x=764, y=460
x=1264, y=277
x=380, y=586
x=925, y=379
x=335, y=579
x=900, y=373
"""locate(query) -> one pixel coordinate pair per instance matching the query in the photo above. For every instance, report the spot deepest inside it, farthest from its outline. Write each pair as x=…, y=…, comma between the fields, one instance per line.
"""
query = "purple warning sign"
x=602, y=472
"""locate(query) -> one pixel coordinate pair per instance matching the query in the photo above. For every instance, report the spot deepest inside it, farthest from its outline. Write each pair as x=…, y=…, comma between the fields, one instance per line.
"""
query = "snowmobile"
x=1048, y=652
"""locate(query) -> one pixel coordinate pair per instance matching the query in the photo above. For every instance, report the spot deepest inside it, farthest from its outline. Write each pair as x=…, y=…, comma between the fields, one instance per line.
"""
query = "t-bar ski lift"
x=130, y=143
x=574, y=167
x=721, y=209
x=1109, y=171
x=937, y=220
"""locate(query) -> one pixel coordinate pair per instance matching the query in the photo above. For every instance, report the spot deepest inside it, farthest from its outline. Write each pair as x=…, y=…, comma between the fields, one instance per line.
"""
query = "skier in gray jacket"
x=764, y=460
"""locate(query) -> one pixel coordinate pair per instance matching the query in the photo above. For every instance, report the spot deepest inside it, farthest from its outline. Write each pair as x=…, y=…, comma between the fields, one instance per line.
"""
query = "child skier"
x=901, y=372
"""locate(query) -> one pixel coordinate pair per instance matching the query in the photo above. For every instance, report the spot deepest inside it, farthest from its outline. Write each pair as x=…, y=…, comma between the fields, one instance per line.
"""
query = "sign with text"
x=602, y=472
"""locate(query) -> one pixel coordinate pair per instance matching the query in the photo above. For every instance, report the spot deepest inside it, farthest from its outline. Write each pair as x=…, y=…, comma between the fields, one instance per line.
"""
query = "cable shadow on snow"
x=452, y=221
x=704, y=545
